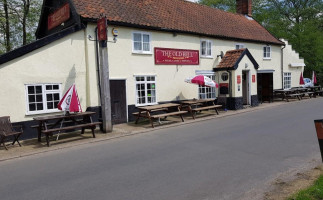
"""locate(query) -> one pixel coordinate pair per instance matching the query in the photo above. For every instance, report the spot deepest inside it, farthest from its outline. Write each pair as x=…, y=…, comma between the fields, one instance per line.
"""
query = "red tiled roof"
x=230, y=58
x=176, y=15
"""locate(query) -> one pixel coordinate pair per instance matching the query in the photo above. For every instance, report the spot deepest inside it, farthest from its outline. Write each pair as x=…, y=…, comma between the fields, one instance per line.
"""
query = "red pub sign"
x=59, y=16
x=102, y=29
x=165, y=56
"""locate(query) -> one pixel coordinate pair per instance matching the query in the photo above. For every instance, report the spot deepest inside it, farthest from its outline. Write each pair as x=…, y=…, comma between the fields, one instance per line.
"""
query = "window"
x=141, y=42
x=42, y=98
x=145, y=90
x=207, y=92
x=224, y=76
x=240, y=46
x=206, y=48
x=287, y=80
x=267, y=52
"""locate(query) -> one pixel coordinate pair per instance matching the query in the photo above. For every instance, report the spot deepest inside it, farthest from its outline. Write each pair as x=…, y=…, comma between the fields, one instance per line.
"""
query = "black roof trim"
x=246, y=52
x=6, y=57
x=235, y=66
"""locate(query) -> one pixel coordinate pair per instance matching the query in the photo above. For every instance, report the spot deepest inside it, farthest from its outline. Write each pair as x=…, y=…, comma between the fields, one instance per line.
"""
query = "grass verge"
x=315, y=192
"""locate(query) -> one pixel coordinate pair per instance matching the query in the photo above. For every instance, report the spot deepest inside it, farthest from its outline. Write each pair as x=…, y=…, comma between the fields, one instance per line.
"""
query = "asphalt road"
x=222, y=158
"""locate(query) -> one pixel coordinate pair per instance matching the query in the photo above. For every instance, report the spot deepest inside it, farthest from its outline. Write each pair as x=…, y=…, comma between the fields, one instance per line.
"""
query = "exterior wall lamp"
x=220, y=55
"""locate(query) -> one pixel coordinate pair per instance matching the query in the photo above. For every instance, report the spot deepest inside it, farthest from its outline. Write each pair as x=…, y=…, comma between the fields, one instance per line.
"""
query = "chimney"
x=244, y=7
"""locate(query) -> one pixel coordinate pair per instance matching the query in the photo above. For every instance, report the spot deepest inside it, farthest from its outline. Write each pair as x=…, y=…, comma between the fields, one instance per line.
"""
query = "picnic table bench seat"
x=49, y=124
x=207, y=108
x=310, y=94
x=298, y=95
x=168, y=114
x=7, y=131
x=320, y=92
x=145, y=112
x=49, y=132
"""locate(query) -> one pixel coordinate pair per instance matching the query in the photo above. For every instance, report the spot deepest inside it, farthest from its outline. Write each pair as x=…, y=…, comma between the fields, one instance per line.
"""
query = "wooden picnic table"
x=304, y=91
x=298, y=92
x=287, y=93
x=56, y=123
x=317, y=90
x=196, y=105
x=151, y=112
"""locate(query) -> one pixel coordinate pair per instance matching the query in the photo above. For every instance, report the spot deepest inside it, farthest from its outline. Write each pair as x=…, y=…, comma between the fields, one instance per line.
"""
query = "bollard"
x=319, y=131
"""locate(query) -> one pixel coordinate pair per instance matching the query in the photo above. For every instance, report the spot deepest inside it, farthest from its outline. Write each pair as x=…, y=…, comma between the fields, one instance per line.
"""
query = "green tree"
x=18, y=22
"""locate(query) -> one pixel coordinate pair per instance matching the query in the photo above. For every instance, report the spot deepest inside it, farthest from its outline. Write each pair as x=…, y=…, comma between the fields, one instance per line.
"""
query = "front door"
x=245, y=87
x=118, y=101
x=265, y=87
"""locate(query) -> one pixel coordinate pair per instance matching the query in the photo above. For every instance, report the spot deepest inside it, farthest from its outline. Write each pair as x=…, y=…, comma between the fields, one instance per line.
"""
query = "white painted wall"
x=63, y=61
x=170, y=78
x=73, y=59
x=291, y=56
x=238, y=72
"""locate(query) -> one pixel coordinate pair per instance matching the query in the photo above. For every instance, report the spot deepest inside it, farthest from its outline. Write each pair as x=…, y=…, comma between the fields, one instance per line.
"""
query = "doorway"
x=246, y=87
x=265, y=87
x=118, y=101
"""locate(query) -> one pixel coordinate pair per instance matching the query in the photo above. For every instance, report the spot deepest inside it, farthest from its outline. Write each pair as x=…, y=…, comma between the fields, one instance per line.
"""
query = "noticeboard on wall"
x=238, y=79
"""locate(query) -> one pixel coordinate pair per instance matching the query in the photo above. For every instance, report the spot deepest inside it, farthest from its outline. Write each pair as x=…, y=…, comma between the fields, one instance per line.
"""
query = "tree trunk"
x=7, y=31
x=24, y=20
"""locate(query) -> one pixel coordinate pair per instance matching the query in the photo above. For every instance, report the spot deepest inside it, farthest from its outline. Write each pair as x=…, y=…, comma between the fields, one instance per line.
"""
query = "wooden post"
x=105, y=88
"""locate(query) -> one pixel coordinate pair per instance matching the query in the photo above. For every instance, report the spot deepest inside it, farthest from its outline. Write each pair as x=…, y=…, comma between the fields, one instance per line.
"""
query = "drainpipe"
x=282, y=64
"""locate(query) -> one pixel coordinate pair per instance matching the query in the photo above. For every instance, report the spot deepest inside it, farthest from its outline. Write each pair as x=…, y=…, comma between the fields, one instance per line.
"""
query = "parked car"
x=307, y=83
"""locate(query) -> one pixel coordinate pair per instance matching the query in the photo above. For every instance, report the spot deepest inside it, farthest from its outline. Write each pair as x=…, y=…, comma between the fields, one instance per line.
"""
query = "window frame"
x=208, y=90
x=142, y=43
x=240, y=45
x=44, y=98
x=266, y=54
x=146, y=89
x=287, y=82
x=209, y=45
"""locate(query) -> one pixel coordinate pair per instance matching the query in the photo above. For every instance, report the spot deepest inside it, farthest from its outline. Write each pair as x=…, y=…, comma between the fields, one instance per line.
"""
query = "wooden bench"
x=207, y=108
x=158, y=116
x=49, y=132
x=293, y=95
x=320, y=93
x=144, y=113
x=7, y=130
x=169, y=114
x=49, y=124
x=308, y=93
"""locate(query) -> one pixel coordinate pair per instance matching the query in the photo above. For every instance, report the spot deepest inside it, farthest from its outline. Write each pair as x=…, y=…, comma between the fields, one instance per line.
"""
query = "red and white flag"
x=314, y=81
x=301, y=79
x=70, y=101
